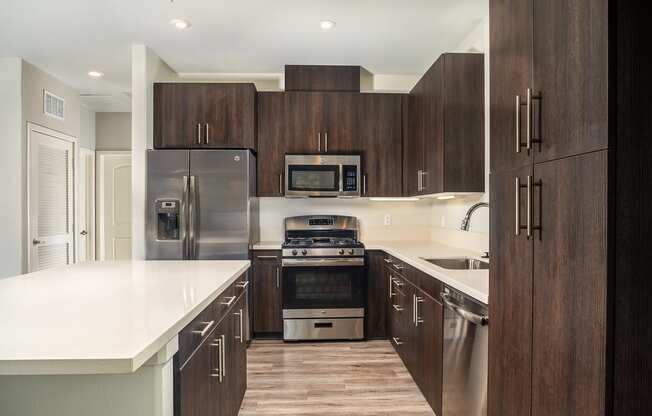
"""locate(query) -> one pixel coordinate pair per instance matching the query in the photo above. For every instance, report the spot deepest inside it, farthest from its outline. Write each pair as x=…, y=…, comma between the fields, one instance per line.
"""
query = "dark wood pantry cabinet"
x=569, y=277
x=445, y=142
x=204, y=115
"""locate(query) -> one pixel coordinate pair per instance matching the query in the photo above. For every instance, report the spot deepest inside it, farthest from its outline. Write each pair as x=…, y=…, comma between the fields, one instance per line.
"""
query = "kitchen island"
x=105, y=338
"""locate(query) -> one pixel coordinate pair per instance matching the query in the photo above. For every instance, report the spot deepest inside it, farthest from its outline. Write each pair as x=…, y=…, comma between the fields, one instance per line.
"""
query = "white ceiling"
x=67, y=38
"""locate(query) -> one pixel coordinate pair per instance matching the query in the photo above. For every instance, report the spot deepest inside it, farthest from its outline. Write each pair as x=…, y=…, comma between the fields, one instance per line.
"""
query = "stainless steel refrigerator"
x=201, y=204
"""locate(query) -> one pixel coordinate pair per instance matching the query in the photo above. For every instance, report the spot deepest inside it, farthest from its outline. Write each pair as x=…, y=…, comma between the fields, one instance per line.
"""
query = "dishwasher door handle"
x=482, y=320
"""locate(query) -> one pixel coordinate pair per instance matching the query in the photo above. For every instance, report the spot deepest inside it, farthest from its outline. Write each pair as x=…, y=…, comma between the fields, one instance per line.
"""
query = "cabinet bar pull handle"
x=417, y=301
x=397, y=282
x=223, y=357
x=229, y=302
x=518, y=124
x=397, y=267
x=280, y=184
x=391, y=286
x=397, y=341
x=243, y=285
x=530, y=117
x=388, y=260
x=517, y=207
x=207, y=327
x=419, y=180
x=364, y=184
x=278, y=277
x=198, y=133
x=266, y=257
x=399, y=308
x=241, y=336
x=319, y=142
x=530, y=205
x=217, y=372
x=206, y=136
x=326, y=142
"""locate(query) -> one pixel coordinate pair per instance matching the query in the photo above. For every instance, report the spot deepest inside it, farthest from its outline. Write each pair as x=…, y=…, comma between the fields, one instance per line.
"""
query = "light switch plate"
x=388, y=219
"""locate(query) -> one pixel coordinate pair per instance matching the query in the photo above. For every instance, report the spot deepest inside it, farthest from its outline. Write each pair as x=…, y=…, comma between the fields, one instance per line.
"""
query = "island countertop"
x=103, y=317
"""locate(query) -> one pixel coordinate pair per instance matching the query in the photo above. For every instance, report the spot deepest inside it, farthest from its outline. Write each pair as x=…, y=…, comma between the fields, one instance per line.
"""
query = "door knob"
x=83, y=232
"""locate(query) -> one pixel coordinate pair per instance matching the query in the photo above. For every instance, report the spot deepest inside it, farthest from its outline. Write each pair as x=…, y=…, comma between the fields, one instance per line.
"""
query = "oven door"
x=312, y=290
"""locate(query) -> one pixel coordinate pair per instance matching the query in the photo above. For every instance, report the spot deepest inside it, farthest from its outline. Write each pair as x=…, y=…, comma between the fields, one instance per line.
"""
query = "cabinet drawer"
x=194, y=333
x=396, y=265
x=428, y=284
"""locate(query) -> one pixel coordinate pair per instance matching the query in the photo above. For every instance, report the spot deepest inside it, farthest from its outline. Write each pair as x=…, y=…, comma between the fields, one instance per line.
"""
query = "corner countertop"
x=103, y=317
x=474, y=283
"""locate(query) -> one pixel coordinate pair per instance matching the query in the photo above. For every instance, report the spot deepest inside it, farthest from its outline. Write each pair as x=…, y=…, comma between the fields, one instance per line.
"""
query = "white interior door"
x=51, y=191
x=114, y=205
x=86, y=207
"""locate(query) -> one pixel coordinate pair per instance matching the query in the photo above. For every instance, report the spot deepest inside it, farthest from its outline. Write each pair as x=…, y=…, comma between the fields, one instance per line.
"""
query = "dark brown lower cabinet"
x=429, y=339
x=377, y=284
x=213, y=380
x=266, y=283
x=415, y=328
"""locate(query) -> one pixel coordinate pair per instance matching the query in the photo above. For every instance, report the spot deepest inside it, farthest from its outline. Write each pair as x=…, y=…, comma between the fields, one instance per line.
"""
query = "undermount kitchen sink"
x=460, y=263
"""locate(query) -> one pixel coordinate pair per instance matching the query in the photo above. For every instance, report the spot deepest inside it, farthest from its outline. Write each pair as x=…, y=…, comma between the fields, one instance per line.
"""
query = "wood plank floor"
x=349, y=378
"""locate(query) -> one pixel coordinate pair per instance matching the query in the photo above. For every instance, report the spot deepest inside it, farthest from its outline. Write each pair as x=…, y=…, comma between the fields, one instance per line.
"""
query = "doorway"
x=51, y=167
x=114, y=205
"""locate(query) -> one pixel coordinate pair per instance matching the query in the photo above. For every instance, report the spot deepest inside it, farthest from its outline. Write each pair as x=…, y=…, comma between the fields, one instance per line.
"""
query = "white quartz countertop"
x=103, y=317
x=474, y=283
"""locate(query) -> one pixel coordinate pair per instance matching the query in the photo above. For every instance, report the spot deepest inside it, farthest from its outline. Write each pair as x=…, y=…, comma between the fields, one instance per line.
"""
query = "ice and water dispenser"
x=168, y=219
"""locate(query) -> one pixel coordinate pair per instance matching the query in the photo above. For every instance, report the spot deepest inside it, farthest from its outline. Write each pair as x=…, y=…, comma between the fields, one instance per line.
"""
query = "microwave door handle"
x=341, y=179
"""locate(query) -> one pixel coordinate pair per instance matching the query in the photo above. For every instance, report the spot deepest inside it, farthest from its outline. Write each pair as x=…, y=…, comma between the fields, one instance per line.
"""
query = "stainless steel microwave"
x=322, y=175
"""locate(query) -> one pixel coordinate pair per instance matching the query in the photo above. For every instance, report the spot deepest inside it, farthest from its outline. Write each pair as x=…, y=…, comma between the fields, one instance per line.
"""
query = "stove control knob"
x=294, y=252
x=304, y=251
x=351, y=251
x=341, y=252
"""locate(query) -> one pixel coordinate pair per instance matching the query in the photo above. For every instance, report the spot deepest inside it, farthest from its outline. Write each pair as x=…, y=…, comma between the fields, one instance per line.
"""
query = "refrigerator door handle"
x=192, y=213
x=184, y=218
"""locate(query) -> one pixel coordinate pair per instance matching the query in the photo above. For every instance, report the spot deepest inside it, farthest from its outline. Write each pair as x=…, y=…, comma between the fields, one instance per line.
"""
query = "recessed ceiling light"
x=180, y=24
x=326, y=24
x=95, y=74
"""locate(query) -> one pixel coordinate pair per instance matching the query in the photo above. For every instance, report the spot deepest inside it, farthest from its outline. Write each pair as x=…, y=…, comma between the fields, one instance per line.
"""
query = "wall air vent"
x=54, y=106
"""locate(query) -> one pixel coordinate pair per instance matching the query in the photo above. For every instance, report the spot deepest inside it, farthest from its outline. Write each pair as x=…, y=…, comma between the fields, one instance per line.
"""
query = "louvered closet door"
x=50, y=201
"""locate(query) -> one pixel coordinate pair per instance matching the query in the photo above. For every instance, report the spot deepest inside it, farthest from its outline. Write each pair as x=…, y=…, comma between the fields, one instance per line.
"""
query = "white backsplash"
x=409, y=220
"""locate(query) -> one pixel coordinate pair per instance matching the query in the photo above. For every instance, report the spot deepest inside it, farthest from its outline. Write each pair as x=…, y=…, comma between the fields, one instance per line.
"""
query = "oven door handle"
x=318, y=262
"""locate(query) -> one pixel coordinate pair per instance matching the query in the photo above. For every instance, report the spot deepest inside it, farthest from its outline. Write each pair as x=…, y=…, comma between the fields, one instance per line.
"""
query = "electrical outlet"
x=388, y=219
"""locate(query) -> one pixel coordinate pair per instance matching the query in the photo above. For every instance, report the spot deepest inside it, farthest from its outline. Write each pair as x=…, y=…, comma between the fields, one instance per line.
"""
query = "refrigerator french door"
x=201, y=204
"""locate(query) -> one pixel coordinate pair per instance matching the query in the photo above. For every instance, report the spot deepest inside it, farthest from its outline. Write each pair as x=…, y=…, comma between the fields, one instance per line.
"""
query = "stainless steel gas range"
x=323, y=279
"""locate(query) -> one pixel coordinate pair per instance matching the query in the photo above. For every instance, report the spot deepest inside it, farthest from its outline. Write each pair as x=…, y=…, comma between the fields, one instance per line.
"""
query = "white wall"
x=146, y=68
x=11, y=167
x=113, y=131
x=87, y=129
x=409, y=220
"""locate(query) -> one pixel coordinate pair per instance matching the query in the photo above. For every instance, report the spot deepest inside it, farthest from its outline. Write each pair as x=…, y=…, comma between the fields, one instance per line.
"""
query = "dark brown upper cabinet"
x=446, y=140
x=326, y=78
x=381, y=140
x=545, y=103
x=201, y=115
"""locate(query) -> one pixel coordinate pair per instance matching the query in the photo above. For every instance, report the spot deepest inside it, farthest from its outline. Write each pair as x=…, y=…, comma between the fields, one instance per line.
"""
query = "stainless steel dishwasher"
x=466, y=337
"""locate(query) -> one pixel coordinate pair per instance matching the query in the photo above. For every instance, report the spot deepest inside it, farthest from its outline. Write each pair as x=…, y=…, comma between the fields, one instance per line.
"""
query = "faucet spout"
x=466, y=222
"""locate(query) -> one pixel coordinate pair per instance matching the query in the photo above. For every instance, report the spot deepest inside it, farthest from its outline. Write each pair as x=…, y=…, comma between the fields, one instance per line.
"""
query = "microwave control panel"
x=350, y=180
